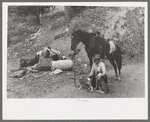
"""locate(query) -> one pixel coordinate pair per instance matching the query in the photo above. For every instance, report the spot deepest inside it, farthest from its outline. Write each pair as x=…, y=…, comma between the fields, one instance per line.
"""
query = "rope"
x=74, y=65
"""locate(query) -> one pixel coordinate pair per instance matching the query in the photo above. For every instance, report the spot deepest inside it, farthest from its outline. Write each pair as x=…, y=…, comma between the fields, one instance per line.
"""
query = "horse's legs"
x=118, y=58
x=91, y=61
x=89, y=56
x=119, y=65
x=114, y=65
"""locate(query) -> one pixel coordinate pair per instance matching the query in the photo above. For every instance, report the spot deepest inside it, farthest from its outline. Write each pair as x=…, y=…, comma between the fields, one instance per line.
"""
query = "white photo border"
x=58, y=109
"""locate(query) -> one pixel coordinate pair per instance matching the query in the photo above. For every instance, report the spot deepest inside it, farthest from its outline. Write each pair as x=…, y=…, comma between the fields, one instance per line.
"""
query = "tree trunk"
x=38, y=15
x=67, y=15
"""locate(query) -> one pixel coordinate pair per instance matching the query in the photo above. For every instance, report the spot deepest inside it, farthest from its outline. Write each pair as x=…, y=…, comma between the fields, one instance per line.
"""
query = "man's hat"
x=97, y=56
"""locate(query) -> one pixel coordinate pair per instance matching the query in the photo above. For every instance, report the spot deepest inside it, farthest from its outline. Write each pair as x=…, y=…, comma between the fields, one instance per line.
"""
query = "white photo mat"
x=83, y=108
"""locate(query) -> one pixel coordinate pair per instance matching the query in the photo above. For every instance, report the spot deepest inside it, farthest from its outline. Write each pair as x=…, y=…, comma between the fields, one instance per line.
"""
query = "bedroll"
x=62, y=64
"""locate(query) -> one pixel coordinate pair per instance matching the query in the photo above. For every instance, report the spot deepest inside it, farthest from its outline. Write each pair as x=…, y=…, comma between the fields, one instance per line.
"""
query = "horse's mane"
x=94, y=35
x=85, y=36
x=99, y=40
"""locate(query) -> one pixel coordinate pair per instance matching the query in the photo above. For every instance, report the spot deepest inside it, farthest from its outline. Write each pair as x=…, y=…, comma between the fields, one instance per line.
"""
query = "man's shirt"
x=96, y=69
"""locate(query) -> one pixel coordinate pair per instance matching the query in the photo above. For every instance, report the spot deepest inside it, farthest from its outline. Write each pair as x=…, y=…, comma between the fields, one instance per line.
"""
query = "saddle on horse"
x=112, y=47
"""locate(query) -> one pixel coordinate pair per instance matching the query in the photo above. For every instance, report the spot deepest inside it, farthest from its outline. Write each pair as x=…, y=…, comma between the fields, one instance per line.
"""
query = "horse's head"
x=75, y=39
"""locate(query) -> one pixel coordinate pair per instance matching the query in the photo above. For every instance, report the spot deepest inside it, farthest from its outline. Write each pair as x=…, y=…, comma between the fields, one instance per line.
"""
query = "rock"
x=8, y=89
x=68, y=74
x=79, y=60
x=57, y=71
x=59, y=35
x=19, y=74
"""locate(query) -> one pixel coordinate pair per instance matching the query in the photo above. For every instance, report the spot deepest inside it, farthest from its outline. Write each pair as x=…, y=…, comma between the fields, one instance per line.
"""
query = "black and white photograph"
x=78, y=52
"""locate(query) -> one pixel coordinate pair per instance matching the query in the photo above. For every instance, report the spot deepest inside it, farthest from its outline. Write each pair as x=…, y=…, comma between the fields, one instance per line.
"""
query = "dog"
x=102, y=85
x=85, y=83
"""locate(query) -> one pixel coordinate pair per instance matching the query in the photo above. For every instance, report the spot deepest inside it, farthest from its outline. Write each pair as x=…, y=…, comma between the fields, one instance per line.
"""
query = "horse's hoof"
x=119, y=79
x=91, y=88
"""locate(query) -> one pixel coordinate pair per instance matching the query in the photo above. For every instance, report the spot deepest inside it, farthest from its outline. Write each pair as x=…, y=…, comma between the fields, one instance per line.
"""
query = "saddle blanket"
x=112, y=47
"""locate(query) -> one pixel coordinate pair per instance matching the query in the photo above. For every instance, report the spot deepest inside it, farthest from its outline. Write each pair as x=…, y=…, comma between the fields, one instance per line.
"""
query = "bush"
x=57, y=14
x=135, y=40
x=88, y=18
x=19, y=28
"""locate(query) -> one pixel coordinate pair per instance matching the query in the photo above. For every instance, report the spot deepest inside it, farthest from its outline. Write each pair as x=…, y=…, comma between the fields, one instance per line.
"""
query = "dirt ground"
x=132, y=83
x=62, y=85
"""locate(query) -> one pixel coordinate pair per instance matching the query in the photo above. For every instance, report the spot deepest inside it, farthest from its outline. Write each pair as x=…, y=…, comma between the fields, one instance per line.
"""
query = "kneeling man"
x=98, y=70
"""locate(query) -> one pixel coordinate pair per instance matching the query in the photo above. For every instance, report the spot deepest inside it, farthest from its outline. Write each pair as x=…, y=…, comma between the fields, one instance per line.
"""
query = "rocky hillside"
x=123, y=25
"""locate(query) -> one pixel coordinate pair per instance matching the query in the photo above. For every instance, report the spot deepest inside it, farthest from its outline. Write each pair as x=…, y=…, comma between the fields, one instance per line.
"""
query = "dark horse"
x=97, y=45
